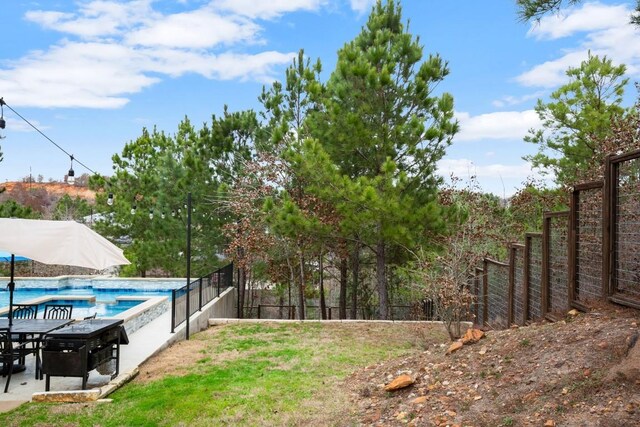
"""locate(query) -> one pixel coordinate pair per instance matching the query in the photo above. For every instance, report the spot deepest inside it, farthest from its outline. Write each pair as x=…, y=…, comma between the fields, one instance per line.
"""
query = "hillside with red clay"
x=57, y=189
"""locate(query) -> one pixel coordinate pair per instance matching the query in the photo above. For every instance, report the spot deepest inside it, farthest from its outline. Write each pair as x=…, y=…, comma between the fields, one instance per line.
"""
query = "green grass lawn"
x=246, y=374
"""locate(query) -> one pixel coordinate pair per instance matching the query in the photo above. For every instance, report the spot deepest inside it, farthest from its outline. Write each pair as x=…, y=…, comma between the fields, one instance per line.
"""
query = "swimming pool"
x=101, y=293
x=89, y=307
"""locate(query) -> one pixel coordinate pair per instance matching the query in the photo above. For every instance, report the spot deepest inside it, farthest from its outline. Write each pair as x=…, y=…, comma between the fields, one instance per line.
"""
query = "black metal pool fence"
x=201, y=292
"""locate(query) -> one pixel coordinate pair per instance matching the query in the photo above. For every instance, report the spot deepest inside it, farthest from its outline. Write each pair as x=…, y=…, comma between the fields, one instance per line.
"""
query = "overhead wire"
x=73, y=158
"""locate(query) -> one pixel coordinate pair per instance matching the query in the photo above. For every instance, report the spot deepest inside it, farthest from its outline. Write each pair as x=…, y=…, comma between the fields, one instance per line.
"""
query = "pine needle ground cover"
x=245, y=374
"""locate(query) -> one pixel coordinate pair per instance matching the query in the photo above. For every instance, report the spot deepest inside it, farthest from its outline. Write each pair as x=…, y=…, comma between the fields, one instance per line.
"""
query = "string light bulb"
x=2, y=122
x=71, y=180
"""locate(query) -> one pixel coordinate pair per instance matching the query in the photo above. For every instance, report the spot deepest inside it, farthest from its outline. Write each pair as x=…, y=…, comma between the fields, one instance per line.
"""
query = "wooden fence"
x=587, y=254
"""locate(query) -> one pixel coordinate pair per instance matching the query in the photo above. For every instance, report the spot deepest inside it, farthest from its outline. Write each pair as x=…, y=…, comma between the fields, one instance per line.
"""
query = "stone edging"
x=214, y=322
x=76, y=396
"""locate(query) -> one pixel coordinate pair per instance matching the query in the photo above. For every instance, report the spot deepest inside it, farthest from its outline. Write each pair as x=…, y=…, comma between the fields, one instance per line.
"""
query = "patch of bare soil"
x=175, y=360
x=581, y=371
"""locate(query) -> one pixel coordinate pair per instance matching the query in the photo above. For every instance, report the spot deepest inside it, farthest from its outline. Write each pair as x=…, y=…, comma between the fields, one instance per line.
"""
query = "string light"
x=2, y=122
x=71, y=180
x=71, y=173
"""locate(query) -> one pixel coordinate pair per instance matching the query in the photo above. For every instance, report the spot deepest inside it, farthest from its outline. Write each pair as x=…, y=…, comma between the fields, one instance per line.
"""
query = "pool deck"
x=143, y=344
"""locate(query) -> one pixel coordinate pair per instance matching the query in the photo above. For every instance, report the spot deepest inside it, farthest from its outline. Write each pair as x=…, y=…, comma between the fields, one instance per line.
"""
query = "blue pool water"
x=105, y=304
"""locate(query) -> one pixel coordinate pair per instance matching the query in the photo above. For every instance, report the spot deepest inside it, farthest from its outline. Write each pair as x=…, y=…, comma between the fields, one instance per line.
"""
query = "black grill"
x=76, y=350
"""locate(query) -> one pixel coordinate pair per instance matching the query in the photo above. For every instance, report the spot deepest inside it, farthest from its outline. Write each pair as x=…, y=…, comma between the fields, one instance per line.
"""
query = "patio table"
x=37, y=328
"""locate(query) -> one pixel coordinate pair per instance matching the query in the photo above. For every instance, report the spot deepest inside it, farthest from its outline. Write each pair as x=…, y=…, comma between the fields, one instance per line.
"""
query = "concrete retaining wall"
x=222, y=307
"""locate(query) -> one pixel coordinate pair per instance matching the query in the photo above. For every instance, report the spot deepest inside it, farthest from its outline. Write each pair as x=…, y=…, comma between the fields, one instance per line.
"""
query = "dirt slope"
x=54, y=188
x=582, y=371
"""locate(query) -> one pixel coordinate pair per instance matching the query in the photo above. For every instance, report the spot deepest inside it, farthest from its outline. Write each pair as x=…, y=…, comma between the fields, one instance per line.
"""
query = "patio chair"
x=25, y=311
x=58, y=311
x=10, y=353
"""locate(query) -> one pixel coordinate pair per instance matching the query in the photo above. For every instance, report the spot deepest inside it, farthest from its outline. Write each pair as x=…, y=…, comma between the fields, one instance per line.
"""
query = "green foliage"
x=379, y=132
x=527, y=206
x=577, y=119
x=68, y=208
x=536, y=9
x=13, y=209
x=152, y=178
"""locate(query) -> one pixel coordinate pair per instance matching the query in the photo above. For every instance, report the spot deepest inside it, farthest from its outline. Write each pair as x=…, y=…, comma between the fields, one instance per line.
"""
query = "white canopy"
x=58, y=242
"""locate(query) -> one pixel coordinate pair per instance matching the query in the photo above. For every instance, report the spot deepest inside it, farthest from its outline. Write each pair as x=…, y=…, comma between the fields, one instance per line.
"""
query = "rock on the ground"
x=400, y=382
x=472, y=336
x=457, y=345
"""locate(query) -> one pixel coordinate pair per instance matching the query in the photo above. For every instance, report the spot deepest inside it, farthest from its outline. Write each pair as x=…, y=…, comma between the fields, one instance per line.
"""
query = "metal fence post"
x=218, y=283
x=173, y=310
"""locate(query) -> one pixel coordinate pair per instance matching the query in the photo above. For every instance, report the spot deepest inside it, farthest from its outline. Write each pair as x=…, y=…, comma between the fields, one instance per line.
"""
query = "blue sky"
x=92, y=74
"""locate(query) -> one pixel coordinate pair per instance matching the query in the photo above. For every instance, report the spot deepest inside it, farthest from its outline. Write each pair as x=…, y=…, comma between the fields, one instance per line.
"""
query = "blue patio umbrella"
x=12, y=258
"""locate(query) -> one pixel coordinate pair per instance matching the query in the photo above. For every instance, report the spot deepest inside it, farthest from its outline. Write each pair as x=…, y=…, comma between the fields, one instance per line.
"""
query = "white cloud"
x=500, y=125
x=19, y=125
x=509, y=101
x=465, y=168
x=96, y=18
x=361, y=6
x=589, y=17
x=194, y=30
x=607, y=32
x=267, y=9
x=552, y=73
x=121, y=48
x=497, y=178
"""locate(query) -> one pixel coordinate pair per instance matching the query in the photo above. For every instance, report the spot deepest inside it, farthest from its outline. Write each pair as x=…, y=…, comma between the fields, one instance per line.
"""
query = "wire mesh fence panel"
x=518, y=284
x=403, y=312
x=266, y=311
x=588, y=245
x=478, y=296
x=557, y=286
x=626, y=230
x=533, y=250
x=497, y=294
x=313, y=312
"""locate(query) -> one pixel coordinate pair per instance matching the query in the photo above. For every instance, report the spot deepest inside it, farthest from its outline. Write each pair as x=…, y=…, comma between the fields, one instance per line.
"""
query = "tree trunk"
x=323, y=304
x=381, y=276
x=343, y=288
x=301, y=289
x=292, y=280
x=355, y=267
x=243, y=285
